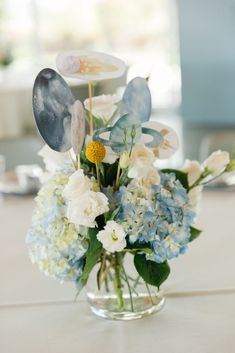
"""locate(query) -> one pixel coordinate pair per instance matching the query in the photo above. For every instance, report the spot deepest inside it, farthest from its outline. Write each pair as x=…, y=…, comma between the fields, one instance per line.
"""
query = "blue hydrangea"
x=159, y=216
x=55, y=244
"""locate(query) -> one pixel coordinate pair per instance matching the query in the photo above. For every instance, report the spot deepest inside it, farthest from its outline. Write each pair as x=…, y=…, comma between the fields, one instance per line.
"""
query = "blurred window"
x=143, y=33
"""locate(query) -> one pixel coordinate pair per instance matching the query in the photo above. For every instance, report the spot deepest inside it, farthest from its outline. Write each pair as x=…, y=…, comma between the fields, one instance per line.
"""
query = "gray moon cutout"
x=52, y=99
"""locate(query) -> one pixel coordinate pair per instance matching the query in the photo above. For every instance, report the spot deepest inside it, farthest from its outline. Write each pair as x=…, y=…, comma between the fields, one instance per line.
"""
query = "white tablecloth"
x=37, y=314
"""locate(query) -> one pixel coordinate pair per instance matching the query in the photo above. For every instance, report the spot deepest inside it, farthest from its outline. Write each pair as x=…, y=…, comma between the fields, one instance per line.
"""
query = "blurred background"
x=186, y=47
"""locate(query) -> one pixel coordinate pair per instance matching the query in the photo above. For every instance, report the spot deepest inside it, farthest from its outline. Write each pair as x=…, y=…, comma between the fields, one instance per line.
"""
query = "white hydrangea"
x=56, y=245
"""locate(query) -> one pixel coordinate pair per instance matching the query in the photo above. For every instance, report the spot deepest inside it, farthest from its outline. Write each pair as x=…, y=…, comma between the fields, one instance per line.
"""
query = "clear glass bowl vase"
x=115, y=290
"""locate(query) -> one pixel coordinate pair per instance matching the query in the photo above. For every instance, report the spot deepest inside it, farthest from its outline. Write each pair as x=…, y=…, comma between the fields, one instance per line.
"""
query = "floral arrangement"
x=103, y=195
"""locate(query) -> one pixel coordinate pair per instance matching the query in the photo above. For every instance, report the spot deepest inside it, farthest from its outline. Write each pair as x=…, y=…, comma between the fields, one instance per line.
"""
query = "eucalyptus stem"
x=118, y=176
x=135, y=284
x=149, y=293
x=78, y=163
x=118, y=281
x=205, y=174
x=90, y=107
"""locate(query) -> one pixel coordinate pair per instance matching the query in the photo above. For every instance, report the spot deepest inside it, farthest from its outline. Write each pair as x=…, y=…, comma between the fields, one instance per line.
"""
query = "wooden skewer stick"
x=98, y=173
x=90, y=107
x=72, y=160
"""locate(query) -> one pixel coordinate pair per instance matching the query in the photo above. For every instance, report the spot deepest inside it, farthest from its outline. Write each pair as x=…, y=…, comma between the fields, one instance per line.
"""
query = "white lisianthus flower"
x=142, y=159
x=53, y=160
x=77, y=186
x=217, y=162
x=103, y=106
x=83, y=210
x=112, y=237
x=193, y=169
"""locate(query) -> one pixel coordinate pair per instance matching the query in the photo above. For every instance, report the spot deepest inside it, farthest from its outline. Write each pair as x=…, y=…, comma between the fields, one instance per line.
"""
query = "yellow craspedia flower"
x=95, y=152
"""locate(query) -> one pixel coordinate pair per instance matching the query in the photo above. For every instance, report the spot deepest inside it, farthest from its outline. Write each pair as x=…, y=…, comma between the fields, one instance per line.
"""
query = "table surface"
x=37, y=314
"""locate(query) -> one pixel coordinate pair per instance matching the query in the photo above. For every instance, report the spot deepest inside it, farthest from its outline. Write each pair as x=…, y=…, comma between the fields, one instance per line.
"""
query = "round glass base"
x=140, y=306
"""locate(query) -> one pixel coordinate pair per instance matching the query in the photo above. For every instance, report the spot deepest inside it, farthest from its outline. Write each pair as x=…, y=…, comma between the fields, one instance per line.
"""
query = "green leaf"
x=145, y=247
x=110, y=173
x=194, y=233
x=114, y=214
x=151, y=272
x=92, y=255
x=102, y=172
x=181, y=176
x=110, y=216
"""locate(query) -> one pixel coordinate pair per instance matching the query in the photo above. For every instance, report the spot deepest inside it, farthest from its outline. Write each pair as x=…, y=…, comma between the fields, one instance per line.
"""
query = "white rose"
x=195, y=196
x=77, y=186
x=83, y=210
x=193, y=169
x=142, y=159
x=217, y=162
x=103, y=106
x=112, y=237
x=53, y=160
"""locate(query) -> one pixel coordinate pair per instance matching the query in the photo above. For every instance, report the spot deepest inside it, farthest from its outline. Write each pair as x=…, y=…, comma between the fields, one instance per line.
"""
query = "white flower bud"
x=124, y=160
x=217, y=162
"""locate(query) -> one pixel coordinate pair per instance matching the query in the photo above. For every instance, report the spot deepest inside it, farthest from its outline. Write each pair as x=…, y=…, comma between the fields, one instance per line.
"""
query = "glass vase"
x=116, y=291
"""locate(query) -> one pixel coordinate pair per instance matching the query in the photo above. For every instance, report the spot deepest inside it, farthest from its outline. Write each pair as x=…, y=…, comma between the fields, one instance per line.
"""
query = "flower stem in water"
x=118, y=281
x=129, y=288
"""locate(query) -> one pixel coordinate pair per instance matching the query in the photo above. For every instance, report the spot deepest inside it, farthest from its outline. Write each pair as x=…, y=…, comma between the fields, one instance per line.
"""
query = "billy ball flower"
x=95, y=152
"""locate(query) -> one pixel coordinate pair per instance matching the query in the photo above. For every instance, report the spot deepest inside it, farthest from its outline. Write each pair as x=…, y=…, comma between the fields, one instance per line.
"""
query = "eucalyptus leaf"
x=137, y=99
x=52, y=100
x=92, y=255
x=151, y=272
x=194, y=233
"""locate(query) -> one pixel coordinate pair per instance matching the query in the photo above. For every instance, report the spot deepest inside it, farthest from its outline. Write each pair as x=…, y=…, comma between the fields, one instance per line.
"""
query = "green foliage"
x=194, y=233
x=151, y=272
x=92, y=255
x=144, y=247
x=181, y=176
x=110, y=172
